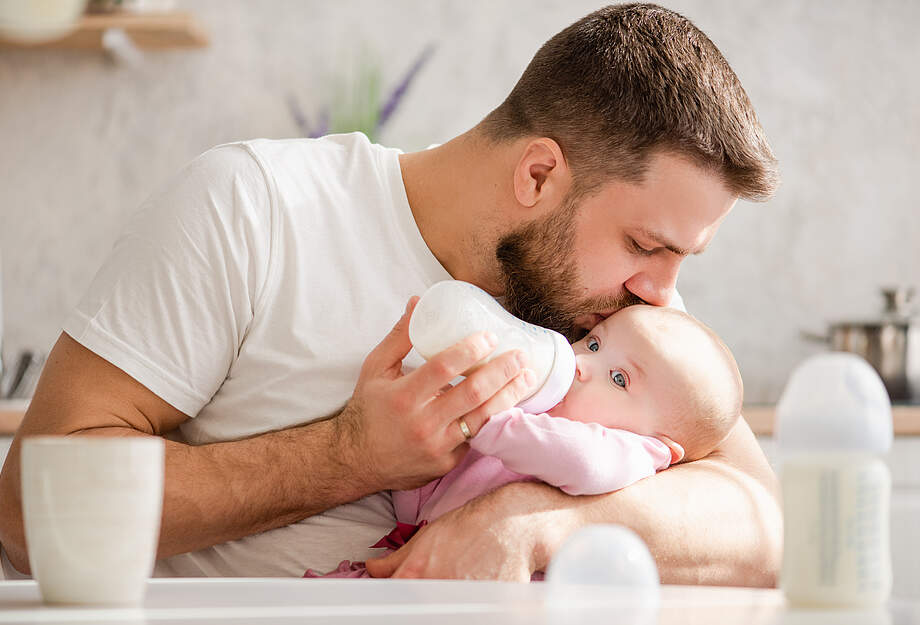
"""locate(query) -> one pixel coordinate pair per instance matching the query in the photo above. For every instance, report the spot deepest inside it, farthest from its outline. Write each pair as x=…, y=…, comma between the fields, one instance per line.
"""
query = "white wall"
x=84, y=141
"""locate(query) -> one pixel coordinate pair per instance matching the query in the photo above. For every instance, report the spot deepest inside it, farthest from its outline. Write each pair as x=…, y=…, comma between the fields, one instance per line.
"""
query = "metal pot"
x=891, y=344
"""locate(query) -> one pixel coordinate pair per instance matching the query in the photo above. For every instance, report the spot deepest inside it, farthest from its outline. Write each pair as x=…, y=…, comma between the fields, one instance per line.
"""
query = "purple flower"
x=384, y=113
x=306, y=130
x=389, y=107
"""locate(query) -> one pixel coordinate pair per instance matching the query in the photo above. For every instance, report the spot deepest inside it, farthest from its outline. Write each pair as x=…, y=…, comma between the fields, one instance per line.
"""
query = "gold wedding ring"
x=465, y=429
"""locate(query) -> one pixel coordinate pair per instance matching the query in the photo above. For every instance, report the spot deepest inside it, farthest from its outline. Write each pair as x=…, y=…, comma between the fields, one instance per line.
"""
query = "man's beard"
x=540, y=275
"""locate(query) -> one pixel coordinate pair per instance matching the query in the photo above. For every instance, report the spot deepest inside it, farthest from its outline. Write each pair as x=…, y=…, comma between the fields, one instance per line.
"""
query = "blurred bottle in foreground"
x=833, y=427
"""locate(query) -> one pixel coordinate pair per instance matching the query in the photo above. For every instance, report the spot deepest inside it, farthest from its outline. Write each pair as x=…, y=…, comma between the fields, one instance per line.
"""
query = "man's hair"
x=629, y=80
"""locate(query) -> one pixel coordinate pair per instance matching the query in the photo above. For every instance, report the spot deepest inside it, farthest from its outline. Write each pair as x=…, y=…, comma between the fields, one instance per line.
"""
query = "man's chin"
x=575, y=333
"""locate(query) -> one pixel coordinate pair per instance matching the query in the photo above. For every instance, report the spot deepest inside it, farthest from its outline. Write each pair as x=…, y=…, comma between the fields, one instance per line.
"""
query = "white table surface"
x=286, y=601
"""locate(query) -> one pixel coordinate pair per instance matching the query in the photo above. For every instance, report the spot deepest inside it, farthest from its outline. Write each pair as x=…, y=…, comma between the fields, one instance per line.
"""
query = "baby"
x=653, y=387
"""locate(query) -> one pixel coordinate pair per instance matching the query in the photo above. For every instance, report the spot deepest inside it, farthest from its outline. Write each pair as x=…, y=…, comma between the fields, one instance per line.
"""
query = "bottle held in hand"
x=451, y=310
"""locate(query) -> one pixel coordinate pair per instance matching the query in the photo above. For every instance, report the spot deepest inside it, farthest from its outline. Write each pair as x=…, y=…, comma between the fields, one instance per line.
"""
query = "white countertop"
x=277, y=601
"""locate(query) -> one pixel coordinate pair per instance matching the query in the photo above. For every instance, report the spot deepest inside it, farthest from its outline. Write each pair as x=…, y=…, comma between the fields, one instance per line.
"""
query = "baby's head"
x=658, y=372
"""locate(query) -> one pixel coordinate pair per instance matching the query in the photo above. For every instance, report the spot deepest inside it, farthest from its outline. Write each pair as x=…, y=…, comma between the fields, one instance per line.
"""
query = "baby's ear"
x=677, y=452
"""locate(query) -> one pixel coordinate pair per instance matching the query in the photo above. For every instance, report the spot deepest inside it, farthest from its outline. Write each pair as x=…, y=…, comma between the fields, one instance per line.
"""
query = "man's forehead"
x=677, y=205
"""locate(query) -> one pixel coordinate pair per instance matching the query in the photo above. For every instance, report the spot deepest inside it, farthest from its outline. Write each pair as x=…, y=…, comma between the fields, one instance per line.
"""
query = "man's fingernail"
x=530, y=378
x=491, y=339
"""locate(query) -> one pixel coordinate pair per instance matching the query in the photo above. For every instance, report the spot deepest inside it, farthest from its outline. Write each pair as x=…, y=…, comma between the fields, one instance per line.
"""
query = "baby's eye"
x=592, y=344
x=619, y=378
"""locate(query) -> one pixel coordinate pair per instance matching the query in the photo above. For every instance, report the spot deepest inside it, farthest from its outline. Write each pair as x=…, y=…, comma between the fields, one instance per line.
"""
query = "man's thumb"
x=387, y=565
x=396, y=344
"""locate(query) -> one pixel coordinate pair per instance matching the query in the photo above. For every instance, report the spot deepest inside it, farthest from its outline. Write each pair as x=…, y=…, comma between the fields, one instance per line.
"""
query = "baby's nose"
x=582, y=371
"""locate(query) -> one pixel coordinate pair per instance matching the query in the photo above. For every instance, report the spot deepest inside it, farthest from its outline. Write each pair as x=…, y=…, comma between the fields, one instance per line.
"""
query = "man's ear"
x=677, y=452
x=541, y=174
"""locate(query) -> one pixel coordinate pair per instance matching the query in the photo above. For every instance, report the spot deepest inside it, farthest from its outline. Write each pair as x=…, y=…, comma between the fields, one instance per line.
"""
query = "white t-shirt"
x=247, y=294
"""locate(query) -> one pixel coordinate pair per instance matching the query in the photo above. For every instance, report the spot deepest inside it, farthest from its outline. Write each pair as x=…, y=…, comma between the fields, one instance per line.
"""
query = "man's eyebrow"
x=663, y=242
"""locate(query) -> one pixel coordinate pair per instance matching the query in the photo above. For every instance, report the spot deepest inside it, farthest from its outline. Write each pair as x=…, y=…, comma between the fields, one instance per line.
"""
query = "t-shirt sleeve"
x=579, y=458
x=172, y=303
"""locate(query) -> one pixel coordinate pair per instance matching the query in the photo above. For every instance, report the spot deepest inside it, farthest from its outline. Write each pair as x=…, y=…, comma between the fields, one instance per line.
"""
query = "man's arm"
x=212, y=493
x=223, y=491
x=712, y=521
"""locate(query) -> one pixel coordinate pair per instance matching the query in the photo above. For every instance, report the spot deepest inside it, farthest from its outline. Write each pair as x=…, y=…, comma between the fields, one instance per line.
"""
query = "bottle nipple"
x=834, y=401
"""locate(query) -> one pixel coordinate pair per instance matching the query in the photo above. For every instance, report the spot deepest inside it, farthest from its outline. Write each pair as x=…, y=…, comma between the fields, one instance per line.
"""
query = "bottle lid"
x=605, y=555
x=834, y=401
x=558, y=381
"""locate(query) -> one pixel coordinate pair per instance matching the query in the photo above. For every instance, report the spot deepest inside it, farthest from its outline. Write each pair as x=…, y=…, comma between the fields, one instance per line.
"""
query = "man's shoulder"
x=339, y=150
x=333, y=166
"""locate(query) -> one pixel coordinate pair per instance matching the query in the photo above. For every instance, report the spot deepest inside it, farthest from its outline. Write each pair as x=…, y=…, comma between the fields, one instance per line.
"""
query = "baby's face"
x=621, y=377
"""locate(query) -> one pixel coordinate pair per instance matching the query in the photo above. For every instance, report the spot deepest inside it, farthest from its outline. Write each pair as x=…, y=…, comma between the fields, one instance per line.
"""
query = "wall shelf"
x=148, y=31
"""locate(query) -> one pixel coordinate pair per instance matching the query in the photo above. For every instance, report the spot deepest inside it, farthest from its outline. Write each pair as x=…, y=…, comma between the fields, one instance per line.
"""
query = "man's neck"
x=457, y=193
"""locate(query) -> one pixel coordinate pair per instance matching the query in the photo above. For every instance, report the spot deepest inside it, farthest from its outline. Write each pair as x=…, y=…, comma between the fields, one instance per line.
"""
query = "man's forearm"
x=225, y=491
x=713, y=521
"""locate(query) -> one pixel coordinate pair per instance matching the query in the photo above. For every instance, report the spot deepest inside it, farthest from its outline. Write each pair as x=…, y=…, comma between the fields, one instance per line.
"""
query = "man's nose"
x=655, y=283
x=582, y=371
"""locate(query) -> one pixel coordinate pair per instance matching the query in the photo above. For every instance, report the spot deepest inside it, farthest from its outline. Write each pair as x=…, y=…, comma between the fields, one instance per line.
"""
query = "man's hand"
x=476, y=541
x=402, y=430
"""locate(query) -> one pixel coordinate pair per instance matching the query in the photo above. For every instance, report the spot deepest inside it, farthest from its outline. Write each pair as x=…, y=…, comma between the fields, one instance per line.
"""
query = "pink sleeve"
x=408, y=504
x=580, y=458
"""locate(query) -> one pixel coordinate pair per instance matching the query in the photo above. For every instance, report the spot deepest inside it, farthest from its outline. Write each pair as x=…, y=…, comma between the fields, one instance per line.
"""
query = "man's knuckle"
x=510, y=368
x=422, y=443
x=473, y=350
x=521, y=386
x=410, y=570
x=441, y=368
x=417, y=434
x=476, y=392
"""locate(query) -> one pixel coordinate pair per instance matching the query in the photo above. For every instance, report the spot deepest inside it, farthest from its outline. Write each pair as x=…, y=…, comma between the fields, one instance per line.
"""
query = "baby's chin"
x=560, y=410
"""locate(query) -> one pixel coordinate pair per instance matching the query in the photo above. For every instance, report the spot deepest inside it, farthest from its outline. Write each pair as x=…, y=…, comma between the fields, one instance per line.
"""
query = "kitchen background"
x=87, y=138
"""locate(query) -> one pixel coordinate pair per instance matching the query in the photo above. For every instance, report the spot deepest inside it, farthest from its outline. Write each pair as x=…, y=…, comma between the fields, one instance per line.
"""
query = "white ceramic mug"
x=91, y=507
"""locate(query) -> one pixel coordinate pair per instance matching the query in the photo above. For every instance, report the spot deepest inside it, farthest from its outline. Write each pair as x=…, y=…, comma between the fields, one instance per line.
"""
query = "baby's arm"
x=579, y=458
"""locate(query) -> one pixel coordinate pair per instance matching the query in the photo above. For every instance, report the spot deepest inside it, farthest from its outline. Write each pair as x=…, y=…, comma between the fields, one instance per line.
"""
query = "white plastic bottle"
x=451, y=310
x=833, y=426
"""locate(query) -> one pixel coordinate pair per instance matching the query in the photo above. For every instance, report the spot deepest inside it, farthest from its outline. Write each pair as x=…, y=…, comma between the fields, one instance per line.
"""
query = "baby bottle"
x=451, y=310
x=833, y=426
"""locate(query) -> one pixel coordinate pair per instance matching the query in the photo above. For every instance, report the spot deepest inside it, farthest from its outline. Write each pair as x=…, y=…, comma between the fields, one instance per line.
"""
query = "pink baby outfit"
x=513, y=446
